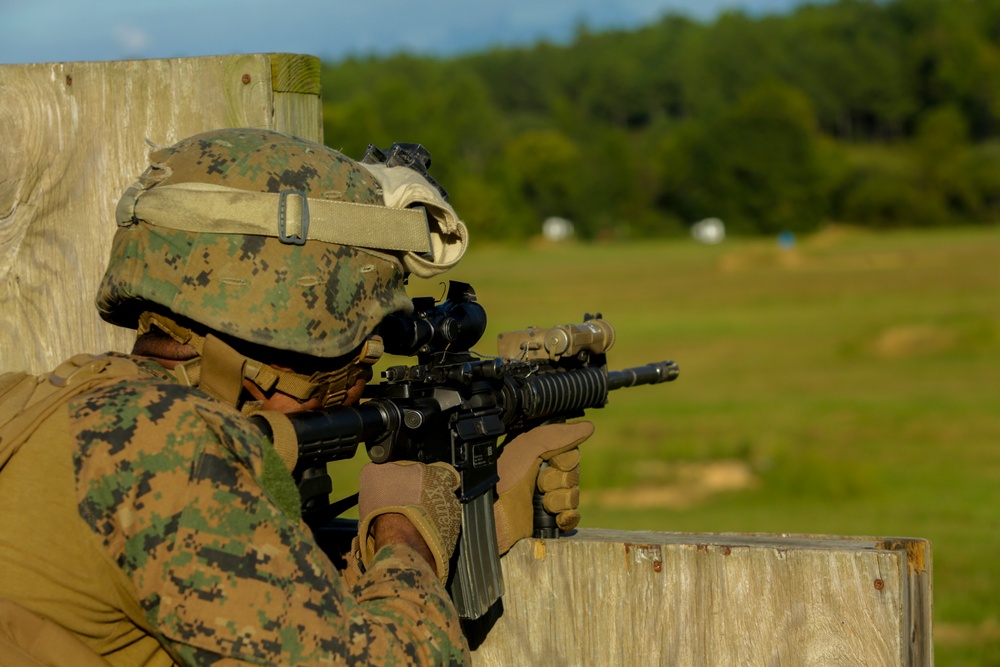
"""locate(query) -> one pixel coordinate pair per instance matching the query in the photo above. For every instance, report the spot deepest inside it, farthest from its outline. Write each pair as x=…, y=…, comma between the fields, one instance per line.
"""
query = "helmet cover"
x=316, y=298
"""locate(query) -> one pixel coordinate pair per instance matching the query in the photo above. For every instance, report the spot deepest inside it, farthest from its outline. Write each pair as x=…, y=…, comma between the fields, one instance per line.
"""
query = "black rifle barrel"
x=550, y=394
x=334, y=434
x=660, y=371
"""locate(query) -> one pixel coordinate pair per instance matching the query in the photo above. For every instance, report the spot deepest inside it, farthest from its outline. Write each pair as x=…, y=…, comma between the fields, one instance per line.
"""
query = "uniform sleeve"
x=168, y=481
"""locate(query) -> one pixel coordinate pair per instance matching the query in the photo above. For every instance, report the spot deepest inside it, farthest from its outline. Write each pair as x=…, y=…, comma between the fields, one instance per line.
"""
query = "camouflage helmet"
x=274, y=240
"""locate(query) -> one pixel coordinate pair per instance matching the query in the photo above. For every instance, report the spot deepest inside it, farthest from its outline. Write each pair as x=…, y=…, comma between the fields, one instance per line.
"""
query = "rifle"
x=454, y=406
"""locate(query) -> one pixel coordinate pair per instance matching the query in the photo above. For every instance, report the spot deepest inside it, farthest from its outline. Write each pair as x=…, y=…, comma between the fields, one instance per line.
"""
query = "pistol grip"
x=544, y=522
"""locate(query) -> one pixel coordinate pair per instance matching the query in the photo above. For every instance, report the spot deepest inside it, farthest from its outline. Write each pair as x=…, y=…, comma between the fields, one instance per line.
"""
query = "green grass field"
x=849, y=386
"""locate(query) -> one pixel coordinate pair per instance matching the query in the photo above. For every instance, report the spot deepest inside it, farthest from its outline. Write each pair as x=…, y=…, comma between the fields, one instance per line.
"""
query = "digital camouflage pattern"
x=168, y=478
x=319, y=298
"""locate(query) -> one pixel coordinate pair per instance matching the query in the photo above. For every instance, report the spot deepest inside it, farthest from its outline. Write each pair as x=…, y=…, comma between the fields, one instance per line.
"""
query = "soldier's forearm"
x=397, y=529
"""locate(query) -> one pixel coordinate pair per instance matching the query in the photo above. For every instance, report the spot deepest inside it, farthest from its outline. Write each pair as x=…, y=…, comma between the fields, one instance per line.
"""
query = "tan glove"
x=424, y=494
x=518, y=467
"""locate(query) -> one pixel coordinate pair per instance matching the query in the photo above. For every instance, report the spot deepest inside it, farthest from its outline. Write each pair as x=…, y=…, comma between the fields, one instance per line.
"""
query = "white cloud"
x=133, y=41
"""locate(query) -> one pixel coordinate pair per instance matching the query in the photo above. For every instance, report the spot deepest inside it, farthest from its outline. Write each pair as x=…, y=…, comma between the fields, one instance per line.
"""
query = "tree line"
x=883, y=114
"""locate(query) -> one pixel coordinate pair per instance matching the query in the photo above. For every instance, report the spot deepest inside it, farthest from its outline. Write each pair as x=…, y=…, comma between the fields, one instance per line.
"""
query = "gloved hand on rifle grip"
x=424, y=494
x=521, y=472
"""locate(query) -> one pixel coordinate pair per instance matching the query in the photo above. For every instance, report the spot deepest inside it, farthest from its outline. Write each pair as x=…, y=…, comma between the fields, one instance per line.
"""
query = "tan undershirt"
x=52, y=564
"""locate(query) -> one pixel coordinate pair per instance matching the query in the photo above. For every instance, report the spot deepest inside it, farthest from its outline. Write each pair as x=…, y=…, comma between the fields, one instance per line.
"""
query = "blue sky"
x=74, y=30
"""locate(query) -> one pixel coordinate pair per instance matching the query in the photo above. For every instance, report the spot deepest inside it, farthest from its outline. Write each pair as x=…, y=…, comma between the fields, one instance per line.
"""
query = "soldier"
x=145, y=520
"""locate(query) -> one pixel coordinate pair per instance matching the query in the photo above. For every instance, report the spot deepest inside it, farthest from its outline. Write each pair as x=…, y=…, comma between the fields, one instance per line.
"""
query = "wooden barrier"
x=643, y=598
x=73, y=136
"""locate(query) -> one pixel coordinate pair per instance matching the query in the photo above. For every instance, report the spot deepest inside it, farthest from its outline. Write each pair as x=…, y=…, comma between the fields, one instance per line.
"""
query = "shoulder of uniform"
x=155, y=413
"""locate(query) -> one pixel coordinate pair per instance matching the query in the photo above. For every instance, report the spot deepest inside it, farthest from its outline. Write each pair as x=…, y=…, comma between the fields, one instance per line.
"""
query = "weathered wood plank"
x=297, y=103
x=622, y=598
x=304, y=112
x=295, y=73
x=72, y=137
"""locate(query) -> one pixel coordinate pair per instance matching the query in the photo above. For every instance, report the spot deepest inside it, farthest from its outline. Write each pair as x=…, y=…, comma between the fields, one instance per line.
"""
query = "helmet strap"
x=219, y=370
x=180, y=333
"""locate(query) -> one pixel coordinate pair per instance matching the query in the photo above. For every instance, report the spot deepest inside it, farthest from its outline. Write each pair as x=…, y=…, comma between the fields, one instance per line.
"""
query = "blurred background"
x=797, y=202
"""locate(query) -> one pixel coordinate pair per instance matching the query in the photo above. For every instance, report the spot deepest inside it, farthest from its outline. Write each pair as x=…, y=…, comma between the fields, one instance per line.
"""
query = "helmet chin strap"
x=219, y=370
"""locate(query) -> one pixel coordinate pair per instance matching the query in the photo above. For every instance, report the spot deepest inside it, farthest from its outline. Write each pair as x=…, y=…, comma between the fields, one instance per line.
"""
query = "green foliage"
x=755, y=166
x=547, y=177
x=879, y=113
x=438, y=103
x=880, y=188
x=976, y=183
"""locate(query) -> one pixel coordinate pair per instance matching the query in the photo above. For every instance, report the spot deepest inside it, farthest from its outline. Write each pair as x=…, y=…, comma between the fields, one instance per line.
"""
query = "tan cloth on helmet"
x=404, y=188
x=217, y=209
x=28, y=640
x=200, y=207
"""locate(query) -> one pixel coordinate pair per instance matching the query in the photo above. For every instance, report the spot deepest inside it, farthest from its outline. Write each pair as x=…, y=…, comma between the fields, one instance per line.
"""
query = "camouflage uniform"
x=159, y=542
x=172, y=514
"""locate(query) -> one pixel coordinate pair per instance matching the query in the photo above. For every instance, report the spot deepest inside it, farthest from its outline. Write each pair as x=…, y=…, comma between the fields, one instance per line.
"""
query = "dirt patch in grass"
x=681, y=485
x=911, y=340
x=761, y=257
x=987, y=632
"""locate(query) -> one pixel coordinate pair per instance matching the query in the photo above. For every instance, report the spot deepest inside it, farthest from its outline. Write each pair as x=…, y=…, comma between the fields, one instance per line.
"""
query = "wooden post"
x=644, y=598
x=73, y=136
